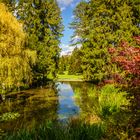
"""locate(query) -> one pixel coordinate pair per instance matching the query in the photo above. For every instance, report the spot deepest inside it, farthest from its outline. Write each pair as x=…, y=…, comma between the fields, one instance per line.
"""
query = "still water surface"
x=36, y=106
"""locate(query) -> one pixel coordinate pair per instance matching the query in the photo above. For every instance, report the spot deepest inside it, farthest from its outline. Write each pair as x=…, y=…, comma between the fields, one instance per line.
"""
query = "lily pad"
x=9, y=116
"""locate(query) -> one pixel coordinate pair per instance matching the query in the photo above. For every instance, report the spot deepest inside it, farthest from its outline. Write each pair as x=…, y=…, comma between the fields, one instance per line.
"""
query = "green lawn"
x=67, y=77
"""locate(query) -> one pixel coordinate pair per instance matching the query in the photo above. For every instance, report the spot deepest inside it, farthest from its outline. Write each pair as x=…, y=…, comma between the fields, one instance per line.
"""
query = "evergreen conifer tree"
x=42, y=23
x=102, y=24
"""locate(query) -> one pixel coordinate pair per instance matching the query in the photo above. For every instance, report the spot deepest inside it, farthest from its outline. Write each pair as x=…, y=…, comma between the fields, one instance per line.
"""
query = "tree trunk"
x=1, y=99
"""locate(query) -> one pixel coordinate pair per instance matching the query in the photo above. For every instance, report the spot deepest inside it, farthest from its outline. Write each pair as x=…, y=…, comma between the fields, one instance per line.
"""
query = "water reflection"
x=36, y=106
x=60, y=103
x=67, y=107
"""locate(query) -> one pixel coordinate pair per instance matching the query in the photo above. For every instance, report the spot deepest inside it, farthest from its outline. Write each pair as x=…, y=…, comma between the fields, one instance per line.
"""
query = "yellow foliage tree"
x=15, y=58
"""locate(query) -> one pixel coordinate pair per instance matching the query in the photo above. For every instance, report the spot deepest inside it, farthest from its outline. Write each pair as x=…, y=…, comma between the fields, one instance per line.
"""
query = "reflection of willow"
x=34, y=106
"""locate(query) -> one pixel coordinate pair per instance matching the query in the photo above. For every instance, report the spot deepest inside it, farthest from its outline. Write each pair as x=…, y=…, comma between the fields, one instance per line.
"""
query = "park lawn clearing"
x=67, y=77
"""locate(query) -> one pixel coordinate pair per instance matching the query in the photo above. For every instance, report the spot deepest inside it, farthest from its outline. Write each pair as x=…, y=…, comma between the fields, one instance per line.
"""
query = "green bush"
x=111, y=100
x=103, y=102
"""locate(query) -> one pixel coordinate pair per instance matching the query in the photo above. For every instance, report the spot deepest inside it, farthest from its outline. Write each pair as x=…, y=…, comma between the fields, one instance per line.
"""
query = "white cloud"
x=72, y=16
x=75, y=39
x=65, y=2
x=74, y=4
x=78, y=45
x=67, y=49
x=63, y=8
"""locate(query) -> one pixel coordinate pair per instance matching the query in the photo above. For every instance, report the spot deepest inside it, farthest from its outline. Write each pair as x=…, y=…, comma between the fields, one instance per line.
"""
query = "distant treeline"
x=71, y=63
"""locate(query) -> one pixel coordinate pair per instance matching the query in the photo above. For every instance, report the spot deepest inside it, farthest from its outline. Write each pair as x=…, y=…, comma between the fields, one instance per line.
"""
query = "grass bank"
x=109, y=105
x=67, y=77
x=55, y=131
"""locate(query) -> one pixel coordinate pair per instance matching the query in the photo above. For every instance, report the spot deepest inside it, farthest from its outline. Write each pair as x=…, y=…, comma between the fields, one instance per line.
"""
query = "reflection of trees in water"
x=82, y=99
x=126, y=121
x=34, y=106
x=82, y=86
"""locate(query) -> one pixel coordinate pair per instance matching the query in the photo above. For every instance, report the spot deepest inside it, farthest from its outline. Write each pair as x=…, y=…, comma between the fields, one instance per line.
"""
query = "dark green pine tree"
x=102, y=24
x=63, y=63
x=43, y=25
x=75, y=62
x=135, y=5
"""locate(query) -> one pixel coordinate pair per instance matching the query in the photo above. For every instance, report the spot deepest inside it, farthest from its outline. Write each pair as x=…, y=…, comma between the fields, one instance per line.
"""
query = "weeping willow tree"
x=15, y=58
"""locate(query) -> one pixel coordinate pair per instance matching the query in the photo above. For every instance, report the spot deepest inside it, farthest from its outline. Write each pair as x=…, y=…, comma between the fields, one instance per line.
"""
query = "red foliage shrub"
x=128, y=58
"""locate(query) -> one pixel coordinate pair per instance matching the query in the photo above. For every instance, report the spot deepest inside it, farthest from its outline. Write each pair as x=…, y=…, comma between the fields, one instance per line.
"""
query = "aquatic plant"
x=111, y=100
x=9, y=116
x=102, y=102
x=56, y=131
x=105, y=105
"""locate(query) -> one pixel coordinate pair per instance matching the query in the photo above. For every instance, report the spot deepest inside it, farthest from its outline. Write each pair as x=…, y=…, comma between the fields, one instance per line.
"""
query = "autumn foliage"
x=128, y=58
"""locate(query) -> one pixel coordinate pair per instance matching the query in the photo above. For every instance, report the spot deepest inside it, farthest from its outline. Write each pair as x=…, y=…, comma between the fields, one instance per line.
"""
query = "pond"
x=36, y=106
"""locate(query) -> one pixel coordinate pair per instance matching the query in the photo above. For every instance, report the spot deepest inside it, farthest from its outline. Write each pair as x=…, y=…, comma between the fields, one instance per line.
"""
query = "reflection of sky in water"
x=67, y=107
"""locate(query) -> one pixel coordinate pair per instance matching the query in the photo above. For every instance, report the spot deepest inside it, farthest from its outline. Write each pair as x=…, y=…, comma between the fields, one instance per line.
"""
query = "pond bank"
x=67, y=77
x=70, y=80
x=87, y=111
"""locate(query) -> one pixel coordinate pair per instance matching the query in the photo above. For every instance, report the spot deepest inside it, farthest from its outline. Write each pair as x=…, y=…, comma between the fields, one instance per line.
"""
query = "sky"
x=67, y=7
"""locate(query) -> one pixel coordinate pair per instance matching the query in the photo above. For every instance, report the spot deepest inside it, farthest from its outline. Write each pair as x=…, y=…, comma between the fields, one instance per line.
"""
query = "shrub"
x=127, y=57
x=111, y=100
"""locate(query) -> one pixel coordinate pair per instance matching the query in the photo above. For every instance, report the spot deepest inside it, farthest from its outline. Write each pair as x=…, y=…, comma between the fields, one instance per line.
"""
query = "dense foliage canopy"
x=15, y=58
x=42, y=22
x=75, y=62
x=38, y=37
x=100, y=25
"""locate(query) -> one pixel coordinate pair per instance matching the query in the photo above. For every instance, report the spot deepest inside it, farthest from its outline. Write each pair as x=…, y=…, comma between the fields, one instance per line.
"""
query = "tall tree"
x=15, y=58
x=102, y=24
x=75, y=62
x=64, y=63
x=42, y=23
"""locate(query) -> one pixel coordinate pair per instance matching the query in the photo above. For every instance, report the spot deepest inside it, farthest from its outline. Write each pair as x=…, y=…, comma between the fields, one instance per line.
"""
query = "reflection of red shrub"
x=128, y=58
